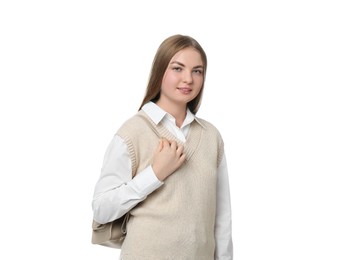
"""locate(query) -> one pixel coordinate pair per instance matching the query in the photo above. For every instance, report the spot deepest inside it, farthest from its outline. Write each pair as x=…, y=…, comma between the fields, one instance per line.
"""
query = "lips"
x=185, y=90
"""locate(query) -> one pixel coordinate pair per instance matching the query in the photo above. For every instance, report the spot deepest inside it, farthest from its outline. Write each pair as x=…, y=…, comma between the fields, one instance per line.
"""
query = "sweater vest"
x=176, y=221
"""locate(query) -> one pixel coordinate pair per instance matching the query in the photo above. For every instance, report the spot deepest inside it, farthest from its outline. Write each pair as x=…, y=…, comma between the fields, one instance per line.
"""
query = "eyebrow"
x=181, y=64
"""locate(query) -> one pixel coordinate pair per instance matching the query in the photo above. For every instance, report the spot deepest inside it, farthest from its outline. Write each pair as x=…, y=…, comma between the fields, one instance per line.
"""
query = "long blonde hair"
x=168, y=48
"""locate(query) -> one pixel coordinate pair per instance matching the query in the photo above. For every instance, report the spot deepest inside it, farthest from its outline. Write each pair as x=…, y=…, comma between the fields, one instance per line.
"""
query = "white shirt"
x=117, y=185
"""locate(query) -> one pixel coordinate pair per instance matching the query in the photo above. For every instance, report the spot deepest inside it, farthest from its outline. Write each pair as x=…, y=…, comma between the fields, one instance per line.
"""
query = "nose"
x=187, y=77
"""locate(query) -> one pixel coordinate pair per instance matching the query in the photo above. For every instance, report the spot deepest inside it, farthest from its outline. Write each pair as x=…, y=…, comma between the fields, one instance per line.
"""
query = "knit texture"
x=177, y=220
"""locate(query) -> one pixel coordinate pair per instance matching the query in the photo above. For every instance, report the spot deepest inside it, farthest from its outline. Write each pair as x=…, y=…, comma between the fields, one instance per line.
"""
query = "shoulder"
x=132, y=121
x=213, y=136
x=134, y=124
x=207, y=125
x=210, y=128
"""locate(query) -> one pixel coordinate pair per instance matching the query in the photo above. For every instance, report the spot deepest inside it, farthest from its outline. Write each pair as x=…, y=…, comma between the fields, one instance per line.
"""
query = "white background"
x=278, y=88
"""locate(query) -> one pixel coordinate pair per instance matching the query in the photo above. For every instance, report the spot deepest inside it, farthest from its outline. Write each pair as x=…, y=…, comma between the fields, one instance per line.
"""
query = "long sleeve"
x=115, y=191
x=223, y=222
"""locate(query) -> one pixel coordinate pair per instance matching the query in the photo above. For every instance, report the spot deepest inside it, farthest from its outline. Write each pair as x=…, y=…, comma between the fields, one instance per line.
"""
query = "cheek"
x=197, y=91
x=166, y=78
x=199, y=82
x=169, y=81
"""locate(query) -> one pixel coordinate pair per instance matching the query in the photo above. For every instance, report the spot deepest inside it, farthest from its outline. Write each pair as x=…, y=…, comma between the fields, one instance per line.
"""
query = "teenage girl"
x=167, y=167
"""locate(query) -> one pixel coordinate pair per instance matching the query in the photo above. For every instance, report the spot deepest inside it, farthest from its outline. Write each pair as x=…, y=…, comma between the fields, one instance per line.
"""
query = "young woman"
x=167, y=167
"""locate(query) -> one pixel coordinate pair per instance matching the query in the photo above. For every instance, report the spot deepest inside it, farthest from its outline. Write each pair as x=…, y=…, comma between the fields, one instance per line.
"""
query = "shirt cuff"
x=146, y=181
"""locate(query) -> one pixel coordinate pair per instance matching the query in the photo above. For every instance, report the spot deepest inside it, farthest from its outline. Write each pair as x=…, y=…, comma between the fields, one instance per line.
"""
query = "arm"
x=223, y=222
x=115, y=191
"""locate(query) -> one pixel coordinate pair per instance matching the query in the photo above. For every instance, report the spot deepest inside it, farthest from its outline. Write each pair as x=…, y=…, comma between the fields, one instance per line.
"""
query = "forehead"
x=188, y=56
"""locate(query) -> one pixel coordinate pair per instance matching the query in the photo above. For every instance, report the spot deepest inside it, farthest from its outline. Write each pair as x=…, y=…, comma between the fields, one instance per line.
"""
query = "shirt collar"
x=157, y=114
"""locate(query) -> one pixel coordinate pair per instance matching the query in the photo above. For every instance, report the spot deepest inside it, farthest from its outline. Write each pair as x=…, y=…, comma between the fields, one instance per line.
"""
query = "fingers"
x=160, y=146
x=182, y=157
x=165, y=142
x=168, y=158
x=179, y=150
x=173, y=145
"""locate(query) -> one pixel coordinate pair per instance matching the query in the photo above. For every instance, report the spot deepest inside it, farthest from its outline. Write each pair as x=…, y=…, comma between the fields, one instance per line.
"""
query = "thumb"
x=160, y=146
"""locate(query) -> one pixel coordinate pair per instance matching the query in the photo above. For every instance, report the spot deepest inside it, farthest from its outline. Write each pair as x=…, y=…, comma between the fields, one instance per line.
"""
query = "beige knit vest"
x=177, y=220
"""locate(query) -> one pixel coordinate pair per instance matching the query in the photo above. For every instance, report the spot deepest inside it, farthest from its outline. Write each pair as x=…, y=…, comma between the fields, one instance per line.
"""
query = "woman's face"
x=183, y=78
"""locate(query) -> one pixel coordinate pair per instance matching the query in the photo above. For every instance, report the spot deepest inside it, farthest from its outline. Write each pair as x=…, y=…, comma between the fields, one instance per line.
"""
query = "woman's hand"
x=168, y=157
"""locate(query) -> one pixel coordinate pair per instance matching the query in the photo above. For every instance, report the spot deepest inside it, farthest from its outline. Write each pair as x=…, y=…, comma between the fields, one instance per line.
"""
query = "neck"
x=177, y=111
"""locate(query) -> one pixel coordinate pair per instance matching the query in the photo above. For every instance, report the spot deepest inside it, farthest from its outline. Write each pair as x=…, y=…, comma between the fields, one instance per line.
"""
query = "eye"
x=177, y=68
x=198, y=71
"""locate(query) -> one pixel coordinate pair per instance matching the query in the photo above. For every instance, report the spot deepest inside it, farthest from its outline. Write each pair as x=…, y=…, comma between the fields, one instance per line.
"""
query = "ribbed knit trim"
x=192, y=140
x=132, y=154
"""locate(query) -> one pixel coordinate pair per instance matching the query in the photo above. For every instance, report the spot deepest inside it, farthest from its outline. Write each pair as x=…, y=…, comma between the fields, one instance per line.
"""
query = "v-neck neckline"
x=192, y=139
